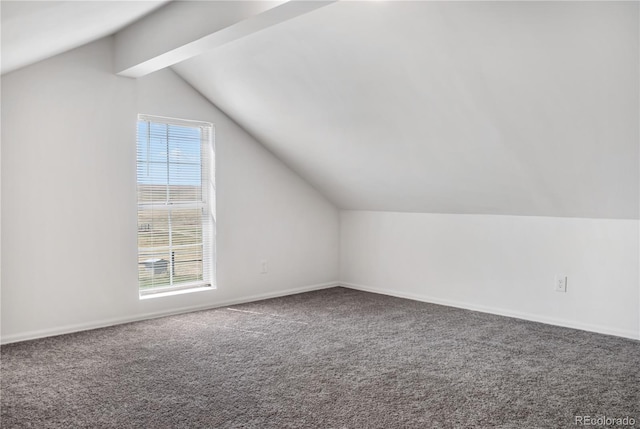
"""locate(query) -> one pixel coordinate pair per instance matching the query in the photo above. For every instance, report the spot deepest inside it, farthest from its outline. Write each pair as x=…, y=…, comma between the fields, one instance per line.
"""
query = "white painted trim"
x=498, y=311
x=147, y=62
x=68, y=329
x=146, y=294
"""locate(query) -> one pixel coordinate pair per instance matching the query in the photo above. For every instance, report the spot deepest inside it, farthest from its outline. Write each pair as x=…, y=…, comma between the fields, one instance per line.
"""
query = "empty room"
x=320, y=214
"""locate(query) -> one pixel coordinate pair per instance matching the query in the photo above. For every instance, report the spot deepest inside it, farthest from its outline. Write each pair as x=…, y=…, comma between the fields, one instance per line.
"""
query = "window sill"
x=150, y=295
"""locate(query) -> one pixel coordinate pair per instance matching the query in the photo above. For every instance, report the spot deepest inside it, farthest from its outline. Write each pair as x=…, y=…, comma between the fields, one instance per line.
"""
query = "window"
x=176, y=204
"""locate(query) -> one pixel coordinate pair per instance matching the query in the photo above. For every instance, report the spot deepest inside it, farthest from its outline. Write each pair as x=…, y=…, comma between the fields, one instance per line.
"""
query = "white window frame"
x=207, y=205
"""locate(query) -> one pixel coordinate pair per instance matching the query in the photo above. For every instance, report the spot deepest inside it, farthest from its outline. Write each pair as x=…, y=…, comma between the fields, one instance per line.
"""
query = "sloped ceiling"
x=35, y=30
x=526, y=108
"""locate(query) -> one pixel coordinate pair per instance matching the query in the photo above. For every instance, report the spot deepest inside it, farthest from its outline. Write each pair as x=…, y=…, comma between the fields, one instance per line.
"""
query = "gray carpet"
x=335, y=358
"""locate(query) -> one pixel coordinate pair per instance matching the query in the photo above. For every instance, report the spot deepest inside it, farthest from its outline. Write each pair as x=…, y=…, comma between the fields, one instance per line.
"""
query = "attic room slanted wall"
x=69, y=204
x=525, y=116
x=508, y=108
x=368, y=109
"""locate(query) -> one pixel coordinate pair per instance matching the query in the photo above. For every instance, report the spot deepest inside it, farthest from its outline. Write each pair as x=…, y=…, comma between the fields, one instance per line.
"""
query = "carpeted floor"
x=335, y=358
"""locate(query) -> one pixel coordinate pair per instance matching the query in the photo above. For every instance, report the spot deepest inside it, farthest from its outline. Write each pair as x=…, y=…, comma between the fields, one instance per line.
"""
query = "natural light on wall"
x=176, y=205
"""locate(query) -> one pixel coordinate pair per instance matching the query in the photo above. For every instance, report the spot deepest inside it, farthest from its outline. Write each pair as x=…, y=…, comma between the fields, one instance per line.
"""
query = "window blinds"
x=176, y=191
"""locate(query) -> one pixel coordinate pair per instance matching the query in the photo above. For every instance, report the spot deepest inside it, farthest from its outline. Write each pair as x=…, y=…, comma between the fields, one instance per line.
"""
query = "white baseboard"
x=67, y=329
x=499, y=311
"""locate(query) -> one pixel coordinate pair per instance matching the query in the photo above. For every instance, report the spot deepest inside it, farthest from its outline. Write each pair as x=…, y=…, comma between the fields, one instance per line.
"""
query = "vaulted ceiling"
x=35, y=30
x=526, y=108
x=461, y=107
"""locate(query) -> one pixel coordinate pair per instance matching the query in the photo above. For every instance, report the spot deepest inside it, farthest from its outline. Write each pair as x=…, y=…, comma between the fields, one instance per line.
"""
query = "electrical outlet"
x=264, y=267
x=561, y=283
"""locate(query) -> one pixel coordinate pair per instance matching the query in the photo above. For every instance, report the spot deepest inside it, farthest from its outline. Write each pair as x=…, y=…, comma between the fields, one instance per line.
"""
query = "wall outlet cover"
x=561, y=283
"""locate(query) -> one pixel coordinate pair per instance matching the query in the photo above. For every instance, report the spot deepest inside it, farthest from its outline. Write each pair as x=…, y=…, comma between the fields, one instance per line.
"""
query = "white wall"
x=69, y=222
x=500, y=264
x=69, y=201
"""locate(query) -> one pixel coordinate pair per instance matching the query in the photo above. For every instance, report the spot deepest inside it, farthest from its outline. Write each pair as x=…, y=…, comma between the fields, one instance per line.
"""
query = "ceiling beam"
x=185, y=29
